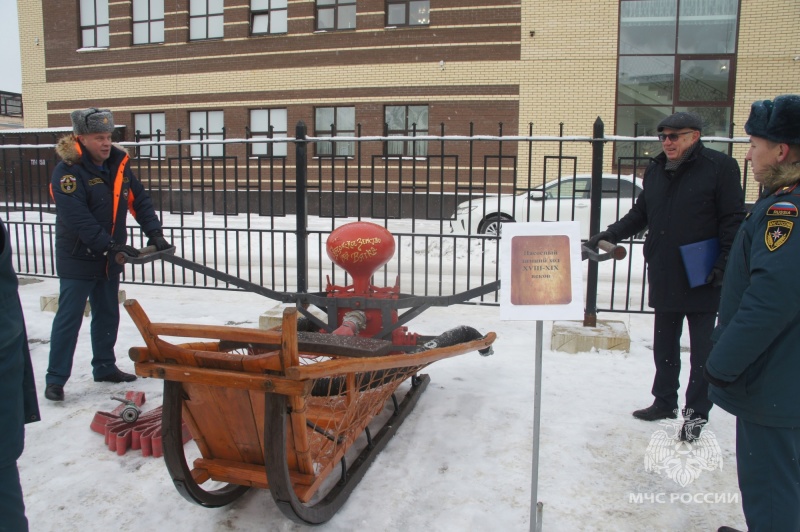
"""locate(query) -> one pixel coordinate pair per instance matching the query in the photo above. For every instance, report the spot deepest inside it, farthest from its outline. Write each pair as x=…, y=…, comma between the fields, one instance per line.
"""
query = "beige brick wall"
x=34, y=88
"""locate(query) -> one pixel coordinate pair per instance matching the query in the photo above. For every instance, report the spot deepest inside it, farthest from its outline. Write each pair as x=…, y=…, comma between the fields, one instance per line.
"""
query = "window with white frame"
x=408, y=12
x=148, y=21
x=268, y=16
x=206, y=19
x=206, y=125
x=335, y=121
x=268, y=123
x=94, y=23
x=336, y=14
x=406, y=121
x=150, y=127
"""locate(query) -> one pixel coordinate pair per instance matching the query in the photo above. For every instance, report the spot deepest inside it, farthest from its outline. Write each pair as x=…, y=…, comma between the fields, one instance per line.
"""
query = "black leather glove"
x=608, y=236
x=713, y=380
x=156, y=238
x=114, y=248
x=715, y=277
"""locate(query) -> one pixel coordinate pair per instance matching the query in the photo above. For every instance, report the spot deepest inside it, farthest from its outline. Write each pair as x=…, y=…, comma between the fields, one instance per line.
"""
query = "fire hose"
x=127, y=427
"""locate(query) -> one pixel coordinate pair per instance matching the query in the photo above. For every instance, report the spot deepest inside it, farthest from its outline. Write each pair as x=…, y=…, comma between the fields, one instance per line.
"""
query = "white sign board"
x=540, y=272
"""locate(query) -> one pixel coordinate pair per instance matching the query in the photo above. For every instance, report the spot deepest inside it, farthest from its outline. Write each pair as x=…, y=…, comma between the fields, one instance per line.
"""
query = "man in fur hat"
x=93, y=188
x=754, y=367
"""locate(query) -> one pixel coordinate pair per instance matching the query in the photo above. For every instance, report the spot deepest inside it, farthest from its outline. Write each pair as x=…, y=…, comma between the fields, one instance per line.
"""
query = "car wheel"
x=492, y=225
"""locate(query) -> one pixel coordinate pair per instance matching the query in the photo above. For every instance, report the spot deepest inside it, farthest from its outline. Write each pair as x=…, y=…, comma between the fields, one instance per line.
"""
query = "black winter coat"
x=702, y=199
x=84, y=198
x=17, y=387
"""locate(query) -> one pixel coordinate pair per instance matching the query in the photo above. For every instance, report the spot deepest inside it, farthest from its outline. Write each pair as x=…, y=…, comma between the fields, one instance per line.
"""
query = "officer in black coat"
x=93, y=189
x=691, y=194
x=17, y=391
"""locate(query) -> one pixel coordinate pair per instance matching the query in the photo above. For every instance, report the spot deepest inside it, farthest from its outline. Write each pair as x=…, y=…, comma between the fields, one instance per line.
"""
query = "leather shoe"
x=728, y=529
x=54, y=392
x=654, y=413
x=116, y=376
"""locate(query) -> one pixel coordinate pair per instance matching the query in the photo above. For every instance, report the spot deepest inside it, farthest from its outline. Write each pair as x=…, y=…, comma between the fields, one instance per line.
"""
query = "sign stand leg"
x=536, y=506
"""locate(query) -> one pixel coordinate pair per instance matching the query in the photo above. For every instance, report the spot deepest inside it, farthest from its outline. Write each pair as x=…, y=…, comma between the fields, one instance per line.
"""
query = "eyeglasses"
x=672, y=136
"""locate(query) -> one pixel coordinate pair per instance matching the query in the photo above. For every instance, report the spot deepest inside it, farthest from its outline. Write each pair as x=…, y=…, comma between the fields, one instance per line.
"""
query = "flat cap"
x=682, y=120
x=92, y=120
x=777, y=120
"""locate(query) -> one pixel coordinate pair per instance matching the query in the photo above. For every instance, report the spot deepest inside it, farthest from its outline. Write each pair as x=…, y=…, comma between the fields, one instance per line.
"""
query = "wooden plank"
x=239, y=473
x=218, y=332
x=290, y=358
x=212, y=420
x=142, y=322
x=360, y=365
x=220, y=377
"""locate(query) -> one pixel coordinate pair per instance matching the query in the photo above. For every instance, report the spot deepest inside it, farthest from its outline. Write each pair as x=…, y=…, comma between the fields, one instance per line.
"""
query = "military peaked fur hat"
x=777, y=120
x=92, y=120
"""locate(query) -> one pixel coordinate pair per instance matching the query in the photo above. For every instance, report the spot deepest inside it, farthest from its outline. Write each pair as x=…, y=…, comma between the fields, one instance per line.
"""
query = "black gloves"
x=715, y=277
x=713, y=380
x=114, y=248
x=608, y=236
x=156, y=238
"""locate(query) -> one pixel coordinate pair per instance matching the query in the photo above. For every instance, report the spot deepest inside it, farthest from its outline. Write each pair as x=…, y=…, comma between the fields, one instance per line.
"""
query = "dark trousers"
x=768, y=463
x=667, y=356
x=12, y=507
x=103, y=299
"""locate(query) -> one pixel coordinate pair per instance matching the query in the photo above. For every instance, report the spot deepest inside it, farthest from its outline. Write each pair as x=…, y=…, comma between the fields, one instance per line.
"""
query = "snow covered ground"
x=462, y=461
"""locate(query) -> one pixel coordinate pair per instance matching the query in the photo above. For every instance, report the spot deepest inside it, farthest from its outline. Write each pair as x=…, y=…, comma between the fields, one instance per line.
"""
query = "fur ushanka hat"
x=777, y=120
x=92, y=120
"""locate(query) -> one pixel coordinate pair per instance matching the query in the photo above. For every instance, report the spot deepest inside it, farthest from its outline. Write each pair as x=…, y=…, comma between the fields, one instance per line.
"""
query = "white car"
x=562, y=199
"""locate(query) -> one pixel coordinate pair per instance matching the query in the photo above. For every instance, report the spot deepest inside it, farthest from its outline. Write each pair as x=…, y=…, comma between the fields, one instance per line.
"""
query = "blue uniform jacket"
x=17, y=387
x=757, y=339
x=85, y=207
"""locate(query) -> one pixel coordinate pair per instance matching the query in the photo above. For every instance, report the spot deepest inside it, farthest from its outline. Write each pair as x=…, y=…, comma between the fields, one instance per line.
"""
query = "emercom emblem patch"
x=68, y=184
x=783, y=208
x=777, y=233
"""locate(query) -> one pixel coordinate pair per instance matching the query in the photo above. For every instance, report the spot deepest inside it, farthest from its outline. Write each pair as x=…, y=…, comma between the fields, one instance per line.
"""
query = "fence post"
x=301, y=182
x=590, y=313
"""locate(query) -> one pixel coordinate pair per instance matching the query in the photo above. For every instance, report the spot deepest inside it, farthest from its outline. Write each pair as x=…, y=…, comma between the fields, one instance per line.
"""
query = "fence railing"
x=265, y=219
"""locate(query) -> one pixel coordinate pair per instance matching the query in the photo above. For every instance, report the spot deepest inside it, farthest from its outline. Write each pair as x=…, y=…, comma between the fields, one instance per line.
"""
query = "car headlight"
x=461, y=211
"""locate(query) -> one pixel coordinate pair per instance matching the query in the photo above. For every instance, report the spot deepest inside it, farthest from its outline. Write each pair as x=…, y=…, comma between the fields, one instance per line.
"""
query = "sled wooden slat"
x=248, y=381
x=357, y=365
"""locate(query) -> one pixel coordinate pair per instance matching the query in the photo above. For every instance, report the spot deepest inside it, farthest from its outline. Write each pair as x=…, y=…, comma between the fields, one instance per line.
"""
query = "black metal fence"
x=265, y=218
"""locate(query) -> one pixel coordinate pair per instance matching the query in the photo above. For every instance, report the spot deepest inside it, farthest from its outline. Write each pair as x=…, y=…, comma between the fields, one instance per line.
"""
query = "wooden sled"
x=295, y=413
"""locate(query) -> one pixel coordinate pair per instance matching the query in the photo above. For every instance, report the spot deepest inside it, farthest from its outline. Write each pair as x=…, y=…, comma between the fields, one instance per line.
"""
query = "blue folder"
x=699, y=259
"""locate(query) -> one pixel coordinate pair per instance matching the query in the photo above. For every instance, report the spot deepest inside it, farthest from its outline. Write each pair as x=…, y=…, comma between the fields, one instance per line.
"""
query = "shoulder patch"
x=785, y=190
x=782, y=208
x=777, y=233
x=68, y=184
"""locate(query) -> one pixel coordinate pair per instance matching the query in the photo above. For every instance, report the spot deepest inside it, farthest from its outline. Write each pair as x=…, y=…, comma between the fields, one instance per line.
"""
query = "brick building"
x=252, y=65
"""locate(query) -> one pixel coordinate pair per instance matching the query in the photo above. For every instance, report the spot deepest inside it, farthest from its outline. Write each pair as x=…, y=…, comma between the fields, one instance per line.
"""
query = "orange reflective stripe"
x=51, y=192
x=130, y=203
x=118, y=191
x=78, y=147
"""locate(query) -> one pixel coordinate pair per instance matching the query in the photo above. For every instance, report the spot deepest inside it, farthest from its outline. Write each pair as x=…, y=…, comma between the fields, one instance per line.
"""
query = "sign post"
x=541, y=280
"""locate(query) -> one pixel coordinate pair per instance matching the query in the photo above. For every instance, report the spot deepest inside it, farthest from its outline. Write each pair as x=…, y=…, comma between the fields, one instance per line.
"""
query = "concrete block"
x=573, y=337
x=273, y=317
x=50, y=303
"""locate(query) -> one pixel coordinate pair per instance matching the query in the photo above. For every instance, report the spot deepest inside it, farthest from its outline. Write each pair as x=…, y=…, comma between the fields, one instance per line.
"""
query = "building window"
x=150, y=127
x=408, y=12
x=268, y=16
x=94, y=23
x=407, y=121
x=336, y=14
x=205, y=125
x=335, y=121
x=205, y=19
x=261, y=121
x=148, y=21
x=675, y=55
